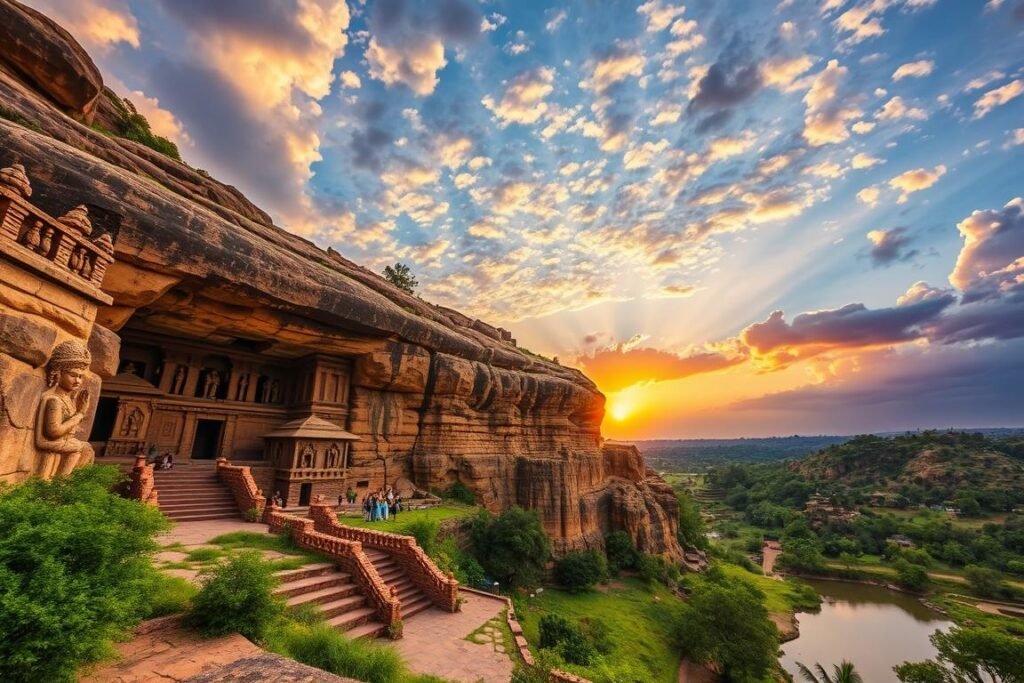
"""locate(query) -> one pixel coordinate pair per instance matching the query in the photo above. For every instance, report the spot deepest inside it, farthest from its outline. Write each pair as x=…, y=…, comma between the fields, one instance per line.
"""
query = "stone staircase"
x=339, y=598
x=192, y=493
x=413, y=599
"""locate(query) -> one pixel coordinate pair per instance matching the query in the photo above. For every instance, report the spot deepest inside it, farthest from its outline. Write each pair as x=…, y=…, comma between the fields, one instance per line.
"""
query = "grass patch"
x=326, y=648
x=168, y=595
x=406, y=520
x=204, y=555
x=786, y=596
x=248, y=540
x=638, y=618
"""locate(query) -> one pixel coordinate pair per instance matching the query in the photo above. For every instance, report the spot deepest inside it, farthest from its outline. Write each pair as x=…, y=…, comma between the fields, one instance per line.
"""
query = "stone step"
x=318, y=569
x=190, y=485
x=391, y=575
x=415, y=607
x=342, y=605
x=369, y=629
x=178, y=498
x=313, y=583
x=352, y=618
x=203, y=517
x=409, y=595
x=198, y=507
x=325, y=595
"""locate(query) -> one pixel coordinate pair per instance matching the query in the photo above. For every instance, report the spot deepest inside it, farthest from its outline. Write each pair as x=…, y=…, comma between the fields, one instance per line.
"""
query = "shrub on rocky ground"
x=511, y=547
x=621, y=552
x=579, y=571
x=75, y=569
x=168, y=595
x=237, y=596
x=324, y=647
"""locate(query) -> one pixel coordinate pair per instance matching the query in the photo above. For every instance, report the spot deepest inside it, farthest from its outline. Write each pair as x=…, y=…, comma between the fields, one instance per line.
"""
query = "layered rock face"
x=434, y=395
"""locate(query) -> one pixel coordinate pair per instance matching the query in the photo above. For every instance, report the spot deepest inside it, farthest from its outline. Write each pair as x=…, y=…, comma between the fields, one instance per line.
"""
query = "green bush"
x=324, y=647
x=656, y=569
x=579, y=571
x=985, y=581
x=425, y=532
x=237, y=596
x=74, y=571
x=460, y=493
x=511, y=547
x=168, y=595
x=134, y=126
x=554, y=629
x=911, y=576
x=621, y=552
x=576, y=649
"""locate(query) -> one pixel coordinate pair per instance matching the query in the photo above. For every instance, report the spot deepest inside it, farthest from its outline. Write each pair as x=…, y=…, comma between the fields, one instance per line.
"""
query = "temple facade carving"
x=51, y=270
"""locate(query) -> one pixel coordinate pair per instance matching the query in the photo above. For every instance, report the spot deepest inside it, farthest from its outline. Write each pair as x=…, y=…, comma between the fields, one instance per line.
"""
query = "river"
x=873, y=627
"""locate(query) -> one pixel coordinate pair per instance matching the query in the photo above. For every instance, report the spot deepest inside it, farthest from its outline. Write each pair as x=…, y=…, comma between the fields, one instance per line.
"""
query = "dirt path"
x=770, y=553
x=695, y=673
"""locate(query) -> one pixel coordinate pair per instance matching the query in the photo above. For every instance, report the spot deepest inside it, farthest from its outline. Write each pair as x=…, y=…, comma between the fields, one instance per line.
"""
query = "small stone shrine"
x=309, y=453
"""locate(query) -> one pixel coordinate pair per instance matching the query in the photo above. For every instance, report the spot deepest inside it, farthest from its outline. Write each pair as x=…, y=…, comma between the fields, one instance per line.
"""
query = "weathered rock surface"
x=436, y=395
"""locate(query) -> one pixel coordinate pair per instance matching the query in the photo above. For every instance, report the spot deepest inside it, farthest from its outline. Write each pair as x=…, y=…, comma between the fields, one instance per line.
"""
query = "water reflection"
x=873, y=627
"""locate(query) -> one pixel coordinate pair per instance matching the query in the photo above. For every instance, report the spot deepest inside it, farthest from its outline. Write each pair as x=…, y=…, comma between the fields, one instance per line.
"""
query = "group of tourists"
x=380, y=505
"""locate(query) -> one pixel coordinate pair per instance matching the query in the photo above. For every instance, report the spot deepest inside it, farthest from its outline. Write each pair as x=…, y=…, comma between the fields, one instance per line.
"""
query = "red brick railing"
x=141, y=484
x=347, y=554
x=441, y=589
x=243, y=487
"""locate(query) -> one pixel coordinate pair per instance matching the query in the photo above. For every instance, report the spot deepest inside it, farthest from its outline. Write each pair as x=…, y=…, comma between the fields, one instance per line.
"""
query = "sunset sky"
x=738, y=218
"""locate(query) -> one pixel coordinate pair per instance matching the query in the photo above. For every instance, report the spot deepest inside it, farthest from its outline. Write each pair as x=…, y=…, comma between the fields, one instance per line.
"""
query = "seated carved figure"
x=62, y=407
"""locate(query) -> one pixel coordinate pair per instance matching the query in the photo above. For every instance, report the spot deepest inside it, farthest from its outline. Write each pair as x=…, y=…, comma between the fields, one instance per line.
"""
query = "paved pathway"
x=198, y=533
x=435, y=642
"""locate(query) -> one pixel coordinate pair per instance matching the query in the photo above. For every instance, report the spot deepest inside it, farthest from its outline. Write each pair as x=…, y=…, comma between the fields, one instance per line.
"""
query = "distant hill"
x=926, y=467
x=691, y=455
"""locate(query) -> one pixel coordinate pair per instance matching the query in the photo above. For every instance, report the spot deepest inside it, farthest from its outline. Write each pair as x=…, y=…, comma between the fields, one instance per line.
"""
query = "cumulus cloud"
x=918, y=69
x=896, y=109
x=619, y=367
x=991, y=262
x=99, y=24
x=998, y=97
x=407, y=41
x=615, y=65
x=730, y=146
x=827, y=114
x=776, y=343
x=523, y=99
x=869, y=195
x=862, y=160
x=889, y=246
x=781, y=73
x=916, y=180
x=659, y=15
x=726, y=84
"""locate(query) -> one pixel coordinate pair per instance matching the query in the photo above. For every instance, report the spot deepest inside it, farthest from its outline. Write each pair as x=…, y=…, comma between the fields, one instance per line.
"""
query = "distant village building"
x=900, y=540
x=820, y=510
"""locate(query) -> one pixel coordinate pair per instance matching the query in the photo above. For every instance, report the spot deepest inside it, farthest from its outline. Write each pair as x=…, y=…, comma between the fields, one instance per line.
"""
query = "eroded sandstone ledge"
x=435, y=395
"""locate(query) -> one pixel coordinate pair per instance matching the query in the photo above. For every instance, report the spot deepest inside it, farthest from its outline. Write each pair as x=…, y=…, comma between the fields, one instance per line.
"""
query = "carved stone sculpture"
x=62, y=407
x=308, y=457
x=243, y=387
x=212, y=384
x=275, y=391
x=133, y=423
x=332, y=456
x=178, y=385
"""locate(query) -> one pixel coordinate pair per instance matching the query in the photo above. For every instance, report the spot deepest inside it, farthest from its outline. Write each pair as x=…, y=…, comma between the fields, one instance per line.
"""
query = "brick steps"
x=192, y=493
x=413, y=599
x=340, y=600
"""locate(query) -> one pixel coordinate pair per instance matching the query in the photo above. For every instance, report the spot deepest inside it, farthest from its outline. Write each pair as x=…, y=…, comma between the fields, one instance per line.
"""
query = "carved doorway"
x=305, y=494
x=206, y=445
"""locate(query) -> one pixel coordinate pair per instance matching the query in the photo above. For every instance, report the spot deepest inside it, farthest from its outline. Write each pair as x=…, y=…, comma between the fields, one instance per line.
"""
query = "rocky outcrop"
x=435, y=395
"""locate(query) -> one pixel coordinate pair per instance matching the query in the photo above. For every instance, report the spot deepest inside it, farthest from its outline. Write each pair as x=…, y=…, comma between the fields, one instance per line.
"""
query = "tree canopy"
x=400, y=275
x=969, y=655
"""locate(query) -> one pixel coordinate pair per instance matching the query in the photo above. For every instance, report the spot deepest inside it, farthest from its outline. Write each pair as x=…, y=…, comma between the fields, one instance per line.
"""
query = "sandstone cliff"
x=437, y=395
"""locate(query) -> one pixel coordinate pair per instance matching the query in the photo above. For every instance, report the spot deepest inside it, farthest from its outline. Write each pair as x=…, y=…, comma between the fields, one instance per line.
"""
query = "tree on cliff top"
x=400, y=275
x=512, y=547
x=75, y=572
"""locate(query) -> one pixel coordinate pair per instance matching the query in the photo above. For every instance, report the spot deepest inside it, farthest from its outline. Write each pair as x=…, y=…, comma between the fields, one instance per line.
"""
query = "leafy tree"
x=911, y=576
x=621, y=552
x=237, y=596
x=969, y=507
x=579, y=571
x=691, y=524
x=512, y=547
x=75, y=572
x=801, y=555
x=725, y=622
x=554, y=628
x=400, y=275
x=134, y=126
x=985, y=581
x=969, y=655
x=843, y=672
